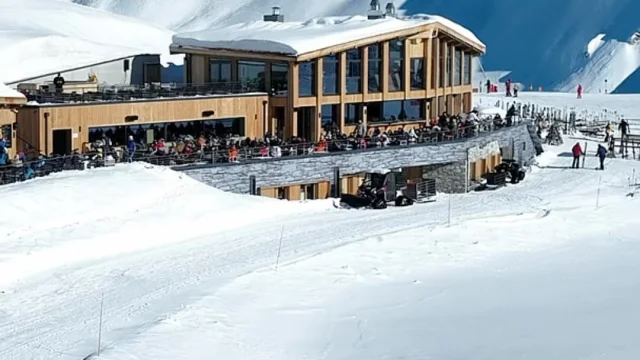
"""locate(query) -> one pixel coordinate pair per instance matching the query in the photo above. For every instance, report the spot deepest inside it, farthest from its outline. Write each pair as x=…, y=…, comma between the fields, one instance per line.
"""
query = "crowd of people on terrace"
x=211, y=146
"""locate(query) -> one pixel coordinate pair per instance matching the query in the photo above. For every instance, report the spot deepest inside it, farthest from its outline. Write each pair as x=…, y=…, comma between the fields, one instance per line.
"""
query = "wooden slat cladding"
x=32, y=121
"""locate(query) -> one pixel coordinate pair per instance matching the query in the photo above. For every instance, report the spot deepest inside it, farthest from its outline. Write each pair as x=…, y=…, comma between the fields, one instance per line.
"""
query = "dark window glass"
x=329, y=115
x=374, y=112
x=467, y=68
x=398, y=110
x=279, y=79
x=457, y=68
x=396, y=65
x=352, y=113
x=375, y=68
x=448, y=67
x=307, y=78
x=219, y=70
x=330, y=75
x=252, y=73
x=354, y=71
x=417, y=73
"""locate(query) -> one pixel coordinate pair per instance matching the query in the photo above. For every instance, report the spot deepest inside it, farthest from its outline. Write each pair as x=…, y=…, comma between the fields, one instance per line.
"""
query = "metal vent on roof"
x=390, y=9
x=275, y=15
x=374, y=10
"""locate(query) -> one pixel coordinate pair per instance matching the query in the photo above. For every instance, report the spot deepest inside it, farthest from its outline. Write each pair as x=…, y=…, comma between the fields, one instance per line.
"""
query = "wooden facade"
x=309, y=191
x=7, y=132
x=435, y=45
x=36, y=124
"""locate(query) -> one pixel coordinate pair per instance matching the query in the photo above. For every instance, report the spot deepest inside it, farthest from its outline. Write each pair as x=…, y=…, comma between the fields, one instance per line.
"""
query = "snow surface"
x=295, y=38
x=608, y=67
x=7, y=92
x=546, y=269
x=544, y=57
x=594, y=44
x=39, y=37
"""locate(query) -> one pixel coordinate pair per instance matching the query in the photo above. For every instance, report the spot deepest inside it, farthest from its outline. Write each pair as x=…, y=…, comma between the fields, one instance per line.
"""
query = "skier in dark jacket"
x=601, y=153
x=624, y=128
x=131, y=148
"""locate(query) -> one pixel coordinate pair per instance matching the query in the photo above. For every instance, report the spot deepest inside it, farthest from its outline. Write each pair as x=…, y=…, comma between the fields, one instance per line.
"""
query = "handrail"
x=245, y=154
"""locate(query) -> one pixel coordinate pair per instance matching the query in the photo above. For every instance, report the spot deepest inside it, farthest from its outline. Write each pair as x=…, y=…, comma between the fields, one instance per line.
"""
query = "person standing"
x=579, y=91
x=508, y=86
x=58, y=83
x=577, y=153
x=601, y=154
x=131, y=148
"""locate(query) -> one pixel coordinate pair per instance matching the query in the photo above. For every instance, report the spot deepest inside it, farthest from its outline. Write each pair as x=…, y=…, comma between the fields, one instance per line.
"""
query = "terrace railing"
x=220, y=157
x=141, y=92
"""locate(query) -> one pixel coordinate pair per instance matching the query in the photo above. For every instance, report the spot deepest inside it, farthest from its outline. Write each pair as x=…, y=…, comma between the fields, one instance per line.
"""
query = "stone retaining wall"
x=448, y=161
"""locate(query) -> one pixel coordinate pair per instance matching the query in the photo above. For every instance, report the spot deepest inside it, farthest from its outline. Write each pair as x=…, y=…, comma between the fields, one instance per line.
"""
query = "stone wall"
x=449, y=177
x=290, y=171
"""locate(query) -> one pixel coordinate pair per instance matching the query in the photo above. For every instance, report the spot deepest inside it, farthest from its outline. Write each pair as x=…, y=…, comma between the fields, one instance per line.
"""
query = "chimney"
x=390, y=10
x=275, y=15
x=374, y=10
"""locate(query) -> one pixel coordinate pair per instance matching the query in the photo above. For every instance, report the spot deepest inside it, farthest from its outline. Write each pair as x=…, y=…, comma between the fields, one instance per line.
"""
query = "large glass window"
x=396, y=66
x=252, y=73
x=375, y=68
x=330, y=75
x=219, y=70
x=354, y=71
x=467, y=68
x=457, y=68
x=329, y=115
x=352, y=113
x=279, y=78
x=307, y=78
x=448, y=67
x=441, y=66
x=169, y=131
x=398, y=110
x=417, y=74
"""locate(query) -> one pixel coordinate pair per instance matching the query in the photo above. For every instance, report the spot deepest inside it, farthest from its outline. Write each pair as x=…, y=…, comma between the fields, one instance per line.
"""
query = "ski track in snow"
x=141, y=288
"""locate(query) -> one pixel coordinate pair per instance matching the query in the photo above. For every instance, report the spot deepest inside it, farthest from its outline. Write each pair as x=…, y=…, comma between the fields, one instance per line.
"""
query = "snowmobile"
x=512, y=170
x=381, y=188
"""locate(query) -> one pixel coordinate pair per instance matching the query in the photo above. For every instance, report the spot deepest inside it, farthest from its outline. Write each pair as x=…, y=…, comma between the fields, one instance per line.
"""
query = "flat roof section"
x=8, y=96
x=298, y=38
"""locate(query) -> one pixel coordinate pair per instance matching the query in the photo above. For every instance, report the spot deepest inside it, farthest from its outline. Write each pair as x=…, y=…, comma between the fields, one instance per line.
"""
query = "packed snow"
x=594, y=44
x=295, y=38
x=9, y=93
x=41, y=37
x=543, y=269
x=607, y=68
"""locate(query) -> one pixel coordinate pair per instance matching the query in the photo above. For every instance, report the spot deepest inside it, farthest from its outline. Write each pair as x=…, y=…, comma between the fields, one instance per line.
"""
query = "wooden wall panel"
x=8, y=118
x=323, y=190
x=269, y=192
x=293, y=193
x=79, y=118
x=30, y=131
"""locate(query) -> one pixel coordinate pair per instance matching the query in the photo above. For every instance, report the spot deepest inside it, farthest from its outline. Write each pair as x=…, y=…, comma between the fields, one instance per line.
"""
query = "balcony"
x=121, y=93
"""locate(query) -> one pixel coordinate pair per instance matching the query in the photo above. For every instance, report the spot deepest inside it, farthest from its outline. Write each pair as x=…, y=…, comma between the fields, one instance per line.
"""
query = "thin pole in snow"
x=449, y=213
x=598, y=195
x=280, y=247
x=100, y=324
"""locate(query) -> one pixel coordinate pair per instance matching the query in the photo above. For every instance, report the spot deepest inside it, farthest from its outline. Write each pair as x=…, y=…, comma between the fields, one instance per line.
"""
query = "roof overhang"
x=418, y=31
x=81, y=67
x=179, y=49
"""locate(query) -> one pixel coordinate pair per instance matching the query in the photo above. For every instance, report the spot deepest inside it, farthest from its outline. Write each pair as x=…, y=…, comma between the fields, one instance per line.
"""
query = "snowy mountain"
x=60, y=35
x=541, y=41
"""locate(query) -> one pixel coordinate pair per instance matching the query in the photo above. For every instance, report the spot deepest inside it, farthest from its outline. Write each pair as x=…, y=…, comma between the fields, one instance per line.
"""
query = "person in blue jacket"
x=602, y=154
x=4, y=157
x=131, y=147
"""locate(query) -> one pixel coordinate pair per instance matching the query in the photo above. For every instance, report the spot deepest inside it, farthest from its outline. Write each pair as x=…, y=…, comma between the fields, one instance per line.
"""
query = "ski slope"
x=545, y=57
x=39, y=37
x=606, y=69
x=187, y=271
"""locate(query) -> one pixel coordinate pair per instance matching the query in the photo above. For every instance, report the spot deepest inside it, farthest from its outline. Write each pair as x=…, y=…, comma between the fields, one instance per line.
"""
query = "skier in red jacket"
x=577, y=153
x=579, y=91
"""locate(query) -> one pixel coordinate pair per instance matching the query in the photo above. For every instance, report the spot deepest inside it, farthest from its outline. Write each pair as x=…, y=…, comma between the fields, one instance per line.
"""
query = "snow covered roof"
x=7, y=94
x=39, y=37
x=297, y=38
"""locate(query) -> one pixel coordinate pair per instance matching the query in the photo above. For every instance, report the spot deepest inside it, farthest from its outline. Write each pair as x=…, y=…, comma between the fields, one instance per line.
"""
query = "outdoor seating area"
x=228, y=149
x=134, y=92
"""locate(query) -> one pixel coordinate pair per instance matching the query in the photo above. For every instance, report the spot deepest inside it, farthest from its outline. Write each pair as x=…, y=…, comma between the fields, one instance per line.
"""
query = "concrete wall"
x=448, y=161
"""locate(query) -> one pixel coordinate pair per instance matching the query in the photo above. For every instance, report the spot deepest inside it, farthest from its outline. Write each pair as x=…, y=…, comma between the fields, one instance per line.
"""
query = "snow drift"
x=594, y=45
x=39, y=37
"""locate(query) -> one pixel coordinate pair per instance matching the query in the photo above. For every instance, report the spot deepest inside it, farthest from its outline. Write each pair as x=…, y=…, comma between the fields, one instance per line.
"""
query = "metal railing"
x=140, y=92
x=43, y=166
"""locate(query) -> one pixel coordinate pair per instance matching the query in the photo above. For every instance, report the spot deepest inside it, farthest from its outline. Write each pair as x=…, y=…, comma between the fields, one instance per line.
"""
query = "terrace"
x=98, y=94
